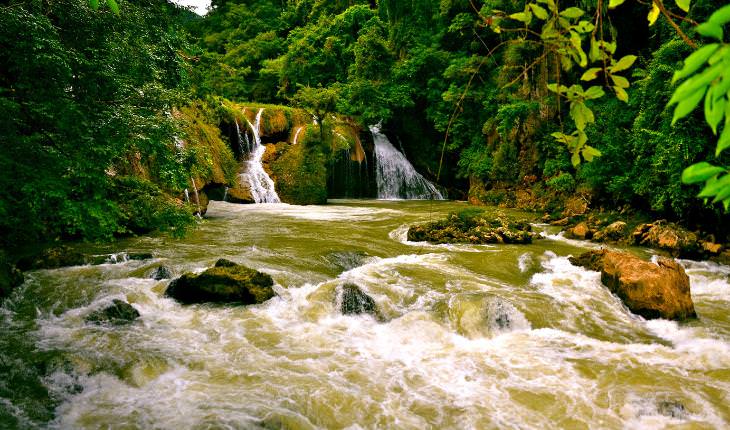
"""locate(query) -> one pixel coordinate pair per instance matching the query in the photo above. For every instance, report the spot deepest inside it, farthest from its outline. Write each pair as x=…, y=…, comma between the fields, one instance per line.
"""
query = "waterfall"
x=395, y=176
x=296, y=135
x=255, y=177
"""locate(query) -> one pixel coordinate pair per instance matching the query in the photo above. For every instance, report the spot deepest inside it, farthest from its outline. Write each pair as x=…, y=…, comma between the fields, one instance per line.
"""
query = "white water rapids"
x=473, y=337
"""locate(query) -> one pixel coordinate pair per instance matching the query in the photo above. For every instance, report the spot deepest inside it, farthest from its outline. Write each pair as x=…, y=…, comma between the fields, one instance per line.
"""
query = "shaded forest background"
x=94, y=104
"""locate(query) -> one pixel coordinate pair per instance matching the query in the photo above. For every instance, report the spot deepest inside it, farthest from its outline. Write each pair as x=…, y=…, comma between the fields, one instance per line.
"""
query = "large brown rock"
x=239, y=195
x=651, y=290
x=667, y=236
x=580, y=231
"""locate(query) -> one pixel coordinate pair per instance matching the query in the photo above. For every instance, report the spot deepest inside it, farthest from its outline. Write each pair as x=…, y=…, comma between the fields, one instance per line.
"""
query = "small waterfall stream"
x=255, y=177
x=395, y=176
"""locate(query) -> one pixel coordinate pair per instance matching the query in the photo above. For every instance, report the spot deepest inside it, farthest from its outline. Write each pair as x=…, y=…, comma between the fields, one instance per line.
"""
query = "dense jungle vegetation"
x=93, y=98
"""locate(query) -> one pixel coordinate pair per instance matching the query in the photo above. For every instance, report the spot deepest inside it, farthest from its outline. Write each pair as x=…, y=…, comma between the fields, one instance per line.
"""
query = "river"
x=472, y=337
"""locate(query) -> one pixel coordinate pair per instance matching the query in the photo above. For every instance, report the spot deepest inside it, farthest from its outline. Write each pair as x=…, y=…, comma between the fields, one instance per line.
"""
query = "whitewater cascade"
x=255, y=177
x=395, y=176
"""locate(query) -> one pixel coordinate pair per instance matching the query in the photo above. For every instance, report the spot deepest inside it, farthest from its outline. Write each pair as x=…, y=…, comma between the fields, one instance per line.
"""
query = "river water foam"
x=508, y=336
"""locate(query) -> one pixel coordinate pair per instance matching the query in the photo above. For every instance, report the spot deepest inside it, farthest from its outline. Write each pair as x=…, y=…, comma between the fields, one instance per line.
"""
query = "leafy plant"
x=706, y=75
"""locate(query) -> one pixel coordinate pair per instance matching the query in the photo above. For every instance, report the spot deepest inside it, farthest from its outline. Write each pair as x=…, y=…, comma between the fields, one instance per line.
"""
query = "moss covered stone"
x=300, y=174
x=472, y=226
x=227, y=282
x=118, y=313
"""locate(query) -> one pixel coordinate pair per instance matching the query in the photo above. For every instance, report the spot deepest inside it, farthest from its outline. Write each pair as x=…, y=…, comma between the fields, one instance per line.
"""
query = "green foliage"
x=706, y=75
x=563, y=183
x=83, y=93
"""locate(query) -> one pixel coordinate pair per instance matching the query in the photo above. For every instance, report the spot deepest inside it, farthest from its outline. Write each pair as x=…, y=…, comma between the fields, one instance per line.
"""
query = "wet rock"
x=222, y=262
x=651, y=290
x=667, y=236
x=671, y=408
x=712, y=248
x=561, y=222
x=575, y=206
x=161, y=272
x=225, y=283
x=346, y=260
x=10, y=276
x=53, y=258
x=580, y=231
x=239, y=195
x=118, y=313
x=615, y=231
x=473, y=227
x=354, y=301
x=121, y=257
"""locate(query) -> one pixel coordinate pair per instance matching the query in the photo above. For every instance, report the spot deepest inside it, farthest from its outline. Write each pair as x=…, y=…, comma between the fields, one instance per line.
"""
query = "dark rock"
x=10, y=276
x=239, y=194
x=53, y=258
x=118, y=313
x=222, y=262
x=161, y=272
x=671, y=408
x=355, y=302
x=346, y=260
x=651, y=290
x=229, y=283
x=121, y=257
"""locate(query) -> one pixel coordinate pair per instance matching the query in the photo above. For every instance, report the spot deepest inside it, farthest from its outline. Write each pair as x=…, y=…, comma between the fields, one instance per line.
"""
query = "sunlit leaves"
x=653, y=14
x=623, y=64
x=683, y=4
x=539, y=11
x=709, y=29
x=615, y=3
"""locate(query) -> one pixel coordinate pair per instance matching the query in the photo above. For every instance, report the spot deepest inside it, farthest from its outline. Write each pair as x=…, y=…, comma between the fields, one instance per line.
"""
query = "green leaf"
x=721, y=16
x=688, y=105
x=572, y=12
x=724, y=142
x=683, y=4
x=709, y=29
x=694, y=83
x=594, y=92
x=722, y=195
x=539, y=11
x=653, y=14
x=589, y=153
x=525, y=17
x=620, y=81
x=700, y=172
x=714, y=110
x=581, y=114
x=584, y=27
x=621, y=94
x=695, y=61
x=714, y=186
x=591, y=74
x=575, y=159
x=615, y=3
x=94, y=4
x=624, y=63
x=113, y=6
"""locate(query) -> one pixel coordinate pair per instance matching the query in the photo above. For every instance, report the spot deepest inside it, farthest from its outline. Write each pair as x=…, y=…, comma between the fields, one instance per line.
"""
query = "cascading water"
x=395, y=176
x=255, y=177
x=296, y=135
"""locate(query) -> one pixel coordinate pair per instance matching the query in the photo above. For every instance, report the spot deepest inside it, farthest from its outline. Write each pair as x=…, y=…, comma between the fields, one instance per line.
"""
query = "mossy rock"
x=118, y=313
x=300, y=175
x=354, y=301
x=473, y=226
x=227, y=282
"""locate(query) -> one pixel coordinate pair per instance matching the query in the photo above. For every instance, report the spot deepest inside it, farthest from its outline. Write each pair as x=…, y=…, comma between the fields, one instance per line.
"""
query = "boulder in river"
x=160, y=272
x=580, y=231
x=651, y=290
x=354, y=301
x=227, y=282
x=471, y=226
x=118, y=313
x=346, y=260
